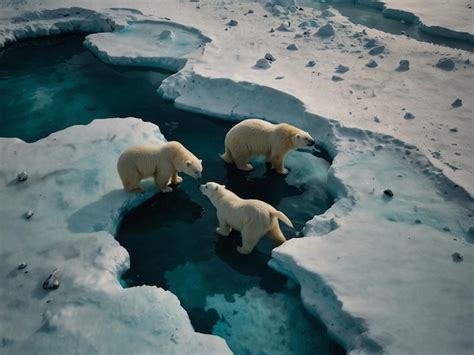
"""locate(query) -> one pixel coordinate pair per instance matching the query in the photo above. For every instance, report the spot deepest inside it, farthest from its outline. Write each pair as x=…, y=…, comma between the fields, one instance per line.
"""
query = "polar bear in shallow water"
x=163, y=162
x=252, y=218
x=255, y=137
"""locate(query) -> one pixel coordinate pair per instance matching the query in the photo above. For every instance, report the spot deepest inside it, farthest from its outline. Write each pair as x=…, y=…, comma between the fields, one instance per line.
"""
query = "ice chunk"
x=445, y=64
x=404, y=65
x=327, y=13
x=371, y=64
x=262, y=63
x=162, y=44
x=166, y=34
x=269, y=57
x=341, y=69
x=326, y=31
x=377, y=50
x=456, y=103
x=409, y=116
x=285, y=27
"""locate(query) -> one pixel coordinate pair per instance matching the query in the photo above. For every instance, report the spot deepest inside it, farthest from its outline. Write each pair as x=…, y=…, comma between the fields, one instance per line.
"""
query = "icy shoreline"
x=362, y=255
x=447, y=19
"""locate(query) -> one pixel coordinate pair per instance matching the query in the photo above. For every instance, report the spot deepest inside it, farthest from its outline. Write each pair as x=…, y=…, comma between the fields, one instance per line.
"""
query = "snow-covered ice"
x=78, y=198
x=160, y=44
x=379, y=272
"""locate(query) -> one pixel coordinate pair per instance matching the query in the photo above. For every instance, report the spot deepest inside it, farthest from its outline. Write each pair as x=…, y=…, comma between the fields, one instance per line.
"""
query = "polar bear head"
x=302, y=139
x=192, y=166
x=211, y=188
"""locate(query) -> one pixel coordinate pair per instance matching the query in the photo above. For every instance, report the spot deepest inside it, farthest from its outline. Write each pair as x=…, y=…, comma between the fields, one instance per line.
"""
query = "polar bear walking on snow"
x=163, y=162
x=254, y=137
x=252, y=218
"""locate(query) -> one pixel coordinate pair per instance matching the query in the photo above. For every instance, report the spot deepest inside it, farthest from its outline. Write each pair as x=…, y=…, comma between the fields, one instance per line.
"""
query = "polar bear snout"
x=208, y=188
x=310, y=142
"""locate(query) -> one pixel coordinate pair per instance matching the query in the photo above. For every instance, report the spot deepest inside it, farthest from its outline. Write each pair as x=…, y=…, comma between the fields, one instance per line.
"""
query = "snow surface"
x=379, y=272
x=450, y=18
x=77, y=198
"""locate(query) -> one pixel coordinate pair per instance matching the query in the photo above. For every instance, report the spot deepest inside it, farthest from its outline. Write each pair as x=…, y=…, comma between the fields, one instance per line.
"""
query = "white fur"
x=252, y=218
x=254, y=137
x=163, y=162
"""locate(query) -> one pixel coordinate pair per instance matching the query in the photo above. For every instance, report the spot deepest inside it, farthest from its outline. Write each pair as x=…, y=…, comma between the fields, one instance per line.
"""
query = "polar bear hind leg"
x=227, y=156
x=250, y=239
x=132, y=183
x=276, y=235
x=241, y=158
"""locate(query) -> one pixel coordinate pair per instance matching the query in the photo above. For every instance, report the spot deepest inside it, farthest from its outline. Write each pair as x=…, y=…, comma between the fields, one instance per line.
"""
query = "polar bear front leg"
x=250, y=239
x=162, y=180
x=176, y=179
x=277, y=164
x=224, y=229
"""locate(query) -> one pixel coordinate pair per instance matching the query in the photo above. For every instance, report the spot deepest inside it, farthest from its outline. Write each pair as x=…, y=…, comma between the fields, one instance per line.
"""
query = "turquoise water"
x=49, y=84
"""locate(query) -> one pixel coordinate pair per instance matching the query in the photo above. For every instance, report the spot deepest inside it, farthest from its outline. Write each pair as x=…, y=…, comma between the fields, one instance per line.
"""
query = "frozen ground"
x=381, y=273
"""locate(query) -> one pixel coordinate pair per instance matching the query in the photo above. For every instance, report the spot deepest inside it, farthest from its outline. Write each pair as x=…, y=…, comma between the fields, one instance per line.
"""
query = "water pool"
x=52, y=83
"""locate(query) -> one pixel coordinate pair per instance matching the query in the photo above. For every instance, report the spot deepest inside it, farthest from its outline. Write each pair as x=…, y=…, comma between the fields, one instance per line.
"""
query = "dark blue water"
x=52, y=83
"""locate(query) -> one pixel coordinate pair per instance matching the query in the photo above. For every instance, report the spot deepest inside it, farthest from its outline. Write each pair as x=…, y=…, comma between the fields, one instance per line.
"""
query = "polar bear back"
x=240, y=213
x=145, y=158
x=260, y=137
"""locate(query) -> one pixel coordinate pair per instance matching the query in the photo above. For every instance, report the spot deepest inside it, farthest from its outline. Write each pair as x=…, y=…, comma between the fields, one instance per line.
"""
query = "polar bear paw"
x=167, y=189
x=245, y=167
x=283, y=171
x=177, y=180
x=241, y=250
x=224, y=233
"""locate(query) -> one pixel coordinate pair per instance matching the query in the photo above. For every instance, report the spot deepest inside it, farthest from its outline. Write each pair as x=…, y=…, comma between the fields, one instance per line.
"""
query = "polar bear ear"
x=188, y=163
x=200, y=160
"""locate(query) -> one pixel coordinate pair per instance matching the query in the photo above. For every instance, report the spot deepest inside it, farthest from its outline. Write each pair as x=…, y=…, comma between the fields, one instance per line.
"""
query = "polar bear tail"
x=283, y=218
x=227, y=156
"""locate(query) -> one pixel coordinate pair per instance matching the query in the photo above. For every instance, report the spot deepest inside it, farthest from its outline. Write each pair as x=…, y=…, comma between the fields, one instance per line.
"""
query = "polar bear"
x=252, y=218
x=163, y=162
x=254, y=137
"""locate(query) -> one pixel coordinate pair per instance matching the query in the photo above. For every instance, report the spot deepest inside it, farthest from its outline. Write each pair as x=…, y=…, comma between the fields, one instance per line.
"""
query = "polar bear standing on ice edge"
x=254, y=137
x=163, y=162
x=252, y=218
